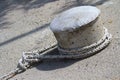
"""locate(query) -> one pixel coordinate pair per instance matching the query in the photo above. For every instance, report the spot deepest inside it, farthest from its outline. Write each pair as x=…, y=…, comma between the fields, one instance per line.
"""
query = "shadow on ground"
x=48, y=65
x=70, y=4
x=24, y=34
x=56, y=63
x=53, y=65
x=9, y=5
x=61, y=63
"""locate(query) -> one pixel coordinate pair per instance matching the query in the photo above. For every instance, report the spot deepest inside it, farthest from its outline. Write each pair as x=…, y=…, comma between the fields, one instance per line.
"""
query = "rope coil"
x=86, y=48
x=31, y=57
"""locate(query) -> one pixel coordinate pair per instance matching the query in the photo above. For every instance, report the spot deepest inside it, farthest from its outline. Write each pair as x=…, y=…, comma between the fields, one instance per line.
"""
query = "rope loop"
x=85, y=49
x=31, y=57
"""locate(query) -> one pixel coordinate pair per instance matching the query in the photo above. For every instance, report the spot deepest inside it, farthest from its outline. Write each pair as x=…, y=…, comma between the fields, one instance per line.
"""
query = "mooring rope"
x=86, y=48
x=28, y=58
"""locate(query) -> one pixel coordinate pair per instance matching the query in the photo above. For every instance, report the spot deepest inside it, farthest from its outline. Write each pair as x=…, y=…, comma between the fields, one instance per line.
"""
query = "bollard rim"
x=74, y=18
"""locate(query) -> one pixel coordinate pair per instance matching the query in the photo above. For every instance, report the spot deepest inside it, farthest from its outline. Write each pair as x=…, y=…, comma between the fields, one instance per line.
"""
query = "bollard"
x=79, y=30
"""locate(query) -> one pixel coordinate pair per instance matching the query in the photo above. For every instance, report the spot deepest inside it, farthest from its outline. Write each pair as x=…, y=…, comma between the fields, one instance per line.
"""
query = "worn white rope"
x=31, y=57
x=76, y=50
x=23, y=64
x=89, y=50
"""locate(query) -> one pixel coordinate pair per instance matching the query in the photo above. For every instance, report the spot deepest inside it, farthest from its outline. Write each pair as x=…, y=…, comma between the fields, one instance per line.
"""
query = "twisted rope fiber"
x=31, y=57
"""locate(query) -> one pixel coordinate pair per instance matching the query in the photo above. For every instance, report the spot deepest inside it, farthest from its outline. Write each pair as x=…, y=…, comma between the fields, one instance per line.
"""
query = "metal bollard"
x=78, y=28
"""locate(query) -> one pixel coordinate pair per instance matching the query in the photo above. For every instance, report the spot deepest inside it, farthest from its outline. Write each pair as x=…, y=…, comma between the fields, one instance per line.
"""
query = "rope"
x=23, y=64
x=86, y=48
x=83, y=52
x=28, y=58
x=11, y=74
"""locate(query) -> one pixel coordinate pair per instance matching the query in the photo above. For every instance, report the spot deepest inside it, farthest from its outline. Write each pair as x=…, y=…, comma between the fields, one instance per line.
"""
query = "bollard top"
x=74, y=18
